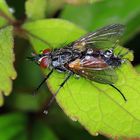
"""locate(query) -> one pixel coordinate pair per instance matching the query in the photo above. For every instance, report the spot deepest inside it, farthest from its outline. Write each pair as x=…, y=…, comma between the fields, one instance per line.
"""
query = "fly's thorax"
x=80, y=46
x=89, y=51
x=63, y=56
x=60, y=58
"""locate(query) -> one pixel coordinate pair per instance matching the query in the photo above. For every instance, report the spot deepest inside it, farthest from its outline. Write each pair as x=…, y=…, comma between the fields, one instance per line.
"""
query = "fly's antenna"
x=32, y=59
x=119, y=92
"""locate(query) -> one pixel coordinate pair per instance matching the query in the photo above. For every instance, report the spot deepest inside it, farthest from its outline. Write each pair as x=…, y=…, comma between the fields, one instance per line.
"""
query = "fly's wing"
x=94, y=69
x=106, y=76
x=106, y=37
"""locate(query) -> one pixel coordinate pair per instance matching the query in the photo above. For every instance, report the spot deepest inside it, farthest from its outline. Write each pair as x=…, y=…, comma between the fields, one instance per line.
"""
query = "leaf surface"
x=104, y=13
x=35, y=9
x=5, y=13
x=98, y=107
x=41, y=36
x=11, y=125
x=7, y=71
x=79, y=2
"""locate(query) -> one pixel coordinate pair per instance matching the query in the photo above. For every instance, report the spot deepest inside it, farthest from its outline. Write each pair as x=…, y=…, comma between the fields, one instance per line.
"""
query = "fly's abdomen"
x=111, y=59
x=114, y=62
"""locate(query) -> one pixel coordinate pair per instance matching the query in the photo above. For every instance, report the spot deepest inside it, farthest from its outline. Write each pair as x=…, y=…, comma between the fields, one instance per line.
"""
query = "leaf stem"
x=10, y=20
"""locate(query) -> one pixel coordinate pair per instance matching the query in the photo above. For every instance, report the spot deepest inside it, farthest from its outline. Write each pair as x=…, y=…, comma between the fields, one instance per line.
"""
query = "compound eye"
x=44, y=63
x=46, y=51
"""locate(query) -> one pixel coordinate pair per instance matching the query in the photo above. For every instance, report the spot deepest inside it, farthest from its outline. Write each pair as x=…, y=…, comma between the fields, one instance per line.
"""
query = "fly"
x=91, y=56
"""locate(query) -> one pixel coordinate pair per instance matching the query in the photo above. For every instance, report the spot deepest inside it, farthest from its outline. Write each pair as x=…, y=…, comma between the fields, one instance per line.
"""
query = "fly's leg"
x=119, y=53
x=39, y=86
x=119, y=92
x=122, y=55
x=115, y=45
x=54, y=95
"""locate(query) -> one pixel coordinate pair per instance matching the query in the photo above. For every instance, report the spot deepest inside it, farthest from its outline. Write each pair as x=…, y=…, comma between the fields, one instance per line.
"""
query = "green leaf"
x=15, y=126
x=98, y=107
x=45, y=33
x=7, y=71
x=4, y=8
x=5, y=14
x=3, y=22
x=29, y=76
x=42, y=132
x=11, y=125
x=53, y=6
x=137, y=68
x=104, y=13
x=35, y=9
x=78, y=2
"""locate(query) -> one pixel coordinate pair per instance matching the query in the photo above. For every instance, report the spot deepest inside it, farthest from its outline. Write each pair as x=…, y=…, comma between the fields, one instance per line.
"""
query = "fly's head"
x=43, y=59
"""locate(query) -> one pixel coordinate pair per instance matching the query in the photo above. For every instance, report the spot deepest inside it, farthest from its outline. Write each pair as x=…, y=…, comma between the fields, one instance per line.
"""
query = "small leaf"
x=54, y=6
x=35, y=9
x=104, y=13
x=29, y=76
x=11, y=125
x=137, y=68
x=98, y=107
x=14, y=126
x=45, y=33
x=4, y=8
x=5, y=14
x=76, y=2
x=7, y=71
x=3, y=22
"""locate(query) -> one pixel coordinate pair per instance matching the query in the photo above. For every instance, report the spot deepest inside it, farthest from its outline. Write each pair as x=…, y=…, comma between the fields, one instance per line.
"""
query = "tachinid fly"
x=91, y=56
